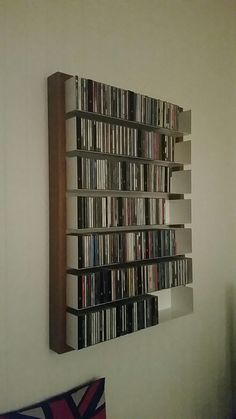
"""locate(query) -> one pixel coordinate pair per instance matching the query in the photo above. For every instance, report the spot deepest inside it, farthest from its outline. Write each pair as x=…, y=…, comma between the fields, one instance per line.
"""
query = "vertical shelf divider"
x=57, y=212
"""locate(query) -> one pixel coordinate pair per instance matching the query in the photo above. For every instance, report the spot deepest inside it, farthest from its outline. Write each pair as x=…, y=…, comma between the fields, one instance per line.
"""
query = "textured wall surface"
x=178, y=50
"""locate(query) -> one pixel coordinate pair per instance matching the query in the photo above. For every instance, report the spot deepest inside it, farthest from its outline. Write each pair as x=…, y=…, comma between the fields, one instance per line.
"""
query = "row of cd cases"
x=173, y=302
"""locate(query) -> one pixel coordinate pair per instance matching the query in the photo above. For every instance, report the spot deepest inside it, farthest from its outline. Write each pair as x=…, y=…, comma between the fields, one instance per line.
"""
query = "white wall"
x=177, y=50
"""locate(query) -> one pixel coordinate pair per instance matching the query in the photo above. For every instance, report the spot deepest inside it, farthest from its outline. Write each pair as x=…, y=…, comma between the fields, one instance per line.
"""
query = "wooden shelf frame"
x=57, y=212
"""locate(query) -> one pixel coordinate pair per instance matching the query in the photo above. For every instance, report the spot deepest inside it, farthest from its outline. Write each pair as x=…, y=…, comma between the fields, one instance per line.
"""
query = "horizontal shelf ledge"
x=109, y=304
x=101, y=156
x=93, y=230
x=120, y=265
x=107, y=192
x=174, y=302
x=167, y=314
x=132, y=124
x=112, y=303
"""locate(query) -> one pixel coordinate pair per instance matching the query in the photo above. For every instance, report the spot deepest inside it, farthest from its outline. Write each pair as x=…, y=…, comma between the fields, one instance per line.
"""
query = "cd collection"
x=109, y=211
x=110, y=285
x=105, y=249
x=93, y=96
x=117, y=139
x=117, y=175
x=112, y=273
x=117, y=320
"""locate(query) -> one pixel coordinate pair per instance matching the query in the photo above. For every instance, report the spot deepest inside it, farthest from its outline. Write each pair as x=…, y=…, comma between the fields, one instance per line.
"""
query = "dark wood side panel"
x=57, y=211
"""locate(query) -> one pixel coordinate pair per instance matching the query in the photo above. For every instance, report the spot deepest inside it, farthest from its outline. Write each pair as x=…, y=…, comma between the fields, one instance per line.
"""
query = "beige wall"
x=177, y=50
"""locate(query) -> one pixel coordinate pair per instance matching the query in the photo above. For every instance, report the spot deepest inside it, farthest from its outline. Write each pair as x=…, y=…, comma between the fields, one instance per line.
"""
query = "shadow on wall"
x=231, y=341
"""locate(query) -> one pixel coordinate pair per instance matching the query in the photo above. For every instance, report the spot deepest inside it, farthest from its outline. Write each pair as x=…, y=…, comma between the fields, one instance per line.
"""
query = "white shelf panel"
x=185, y=122
x=72, y=330
x=175, y=302
x=182, y=152
x=178, y=211
x=180, y=182
x=183, y=239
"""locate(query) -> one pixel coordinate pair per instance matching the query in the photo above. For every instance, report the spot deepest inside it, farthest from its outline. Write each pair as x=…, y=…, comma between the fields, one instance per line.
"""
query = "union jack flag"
x=82, y=403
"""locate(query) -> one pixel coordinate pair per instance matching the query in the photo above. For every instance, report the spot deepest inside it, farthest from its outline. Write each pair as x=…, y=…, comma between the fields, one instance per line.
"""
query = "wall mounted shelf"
x=117, y=188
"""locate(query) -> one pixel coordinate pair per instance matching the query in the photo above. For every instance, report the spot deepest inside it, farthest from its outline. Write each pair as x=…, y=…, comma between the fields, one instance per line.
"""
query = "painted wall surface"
x=178, y=50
